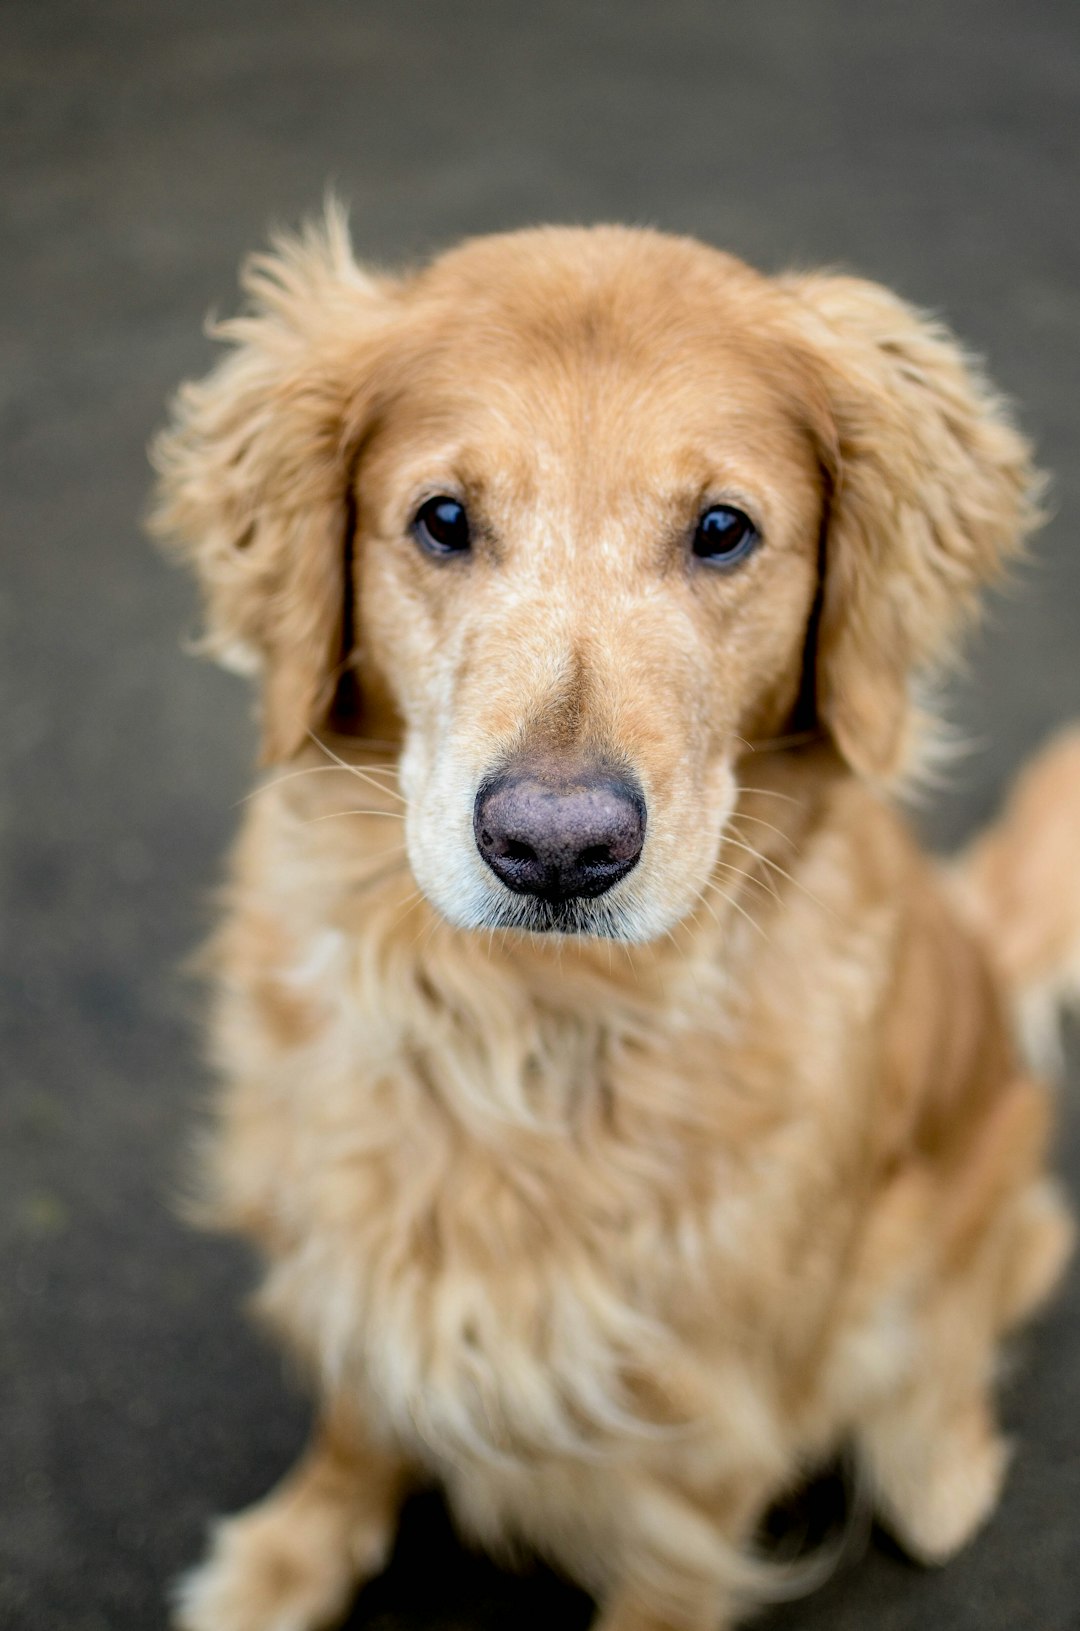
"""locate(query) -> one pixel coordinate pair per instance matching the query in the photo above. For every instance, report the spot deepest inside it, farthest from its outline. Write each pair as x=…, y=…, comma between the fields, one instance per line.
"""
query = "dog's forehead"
x=546, y=267
x=582, y=301
x=562, y=344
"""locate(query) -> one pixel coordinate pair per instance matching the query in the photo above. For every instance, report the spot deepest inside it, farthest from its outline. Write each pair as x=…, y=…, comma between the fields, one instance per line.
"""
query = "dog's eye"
x=725, y=536
x=441, y=526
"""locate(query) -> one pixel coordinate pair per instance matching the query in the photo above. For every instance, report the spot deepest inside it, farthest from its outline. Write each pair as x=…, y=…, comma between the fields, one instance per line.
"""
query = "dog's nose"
x=559, y=838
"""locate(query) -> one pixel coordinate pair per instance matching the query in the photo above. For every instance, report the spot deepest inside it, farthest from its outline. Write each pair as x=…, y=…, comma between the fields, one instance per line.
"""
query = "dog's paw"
x=266, y=1571
x=934, y=1498
x=960, y=1496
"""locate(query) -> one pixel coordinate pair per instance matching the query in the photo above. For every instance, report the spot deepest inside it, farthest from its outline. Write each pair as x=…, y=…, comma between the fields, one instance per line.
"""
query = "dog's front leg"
x=293, y=1561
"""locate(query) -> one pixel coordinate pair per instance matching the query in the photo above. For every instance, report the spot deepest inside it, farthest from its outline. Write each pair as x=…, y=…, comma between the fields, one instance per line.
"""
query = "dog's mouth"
x=575, y=916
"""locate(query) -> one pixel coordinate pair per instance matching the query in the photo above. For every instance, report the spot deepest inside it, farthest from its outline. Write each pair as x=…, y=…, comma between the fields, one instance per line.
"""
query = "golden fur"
x=614, y=1233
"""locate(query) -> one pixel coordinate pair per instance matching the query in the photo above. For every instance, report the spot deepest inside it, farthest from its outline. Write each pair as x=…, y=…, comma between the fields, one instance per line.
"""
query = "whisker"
x=776, y=744
x=411, y=902
x=776, y=867
x=427, y=931
x=741, y=872
x=380, y=770
x=711, y=883
x=343, y=764
x=336, y=815
x=743, y=815
x=770, y=792
x=758, y=856
x=709, y=907
x=308, y=770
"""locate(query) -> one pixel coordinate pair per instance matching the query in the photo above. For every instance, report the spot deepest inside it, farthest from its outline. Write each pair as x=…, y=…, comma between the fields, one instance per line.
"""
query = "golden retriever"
x=627, y=1111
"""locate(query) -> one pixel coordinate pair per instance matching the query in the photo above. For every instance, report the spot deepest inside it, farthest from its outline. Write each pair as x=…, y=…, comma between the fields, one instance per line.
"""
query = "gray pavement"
x=145, y=147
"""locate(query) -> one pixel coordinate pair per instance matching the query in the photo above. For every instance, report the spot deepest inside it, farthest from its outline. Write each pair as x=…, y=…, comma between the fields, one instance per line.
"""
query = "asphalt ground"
x=146, y=146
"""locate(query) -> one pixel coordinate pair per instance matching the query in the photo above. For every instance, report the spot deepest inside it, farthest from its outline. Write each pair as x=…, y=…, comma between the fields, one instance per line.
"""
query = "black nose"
x=557, y=836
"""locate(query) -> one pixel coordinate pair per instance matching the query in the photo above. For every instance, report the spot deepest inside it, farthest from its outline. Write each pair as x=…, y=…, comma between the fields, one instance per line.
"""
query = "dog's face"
x=615, y=507
x=587, y=559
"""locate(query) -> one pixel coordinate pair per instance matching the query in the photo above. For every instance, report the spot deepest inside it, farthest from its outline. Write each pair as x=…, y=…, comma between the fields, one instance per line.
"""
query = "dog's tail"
x=1020, y=883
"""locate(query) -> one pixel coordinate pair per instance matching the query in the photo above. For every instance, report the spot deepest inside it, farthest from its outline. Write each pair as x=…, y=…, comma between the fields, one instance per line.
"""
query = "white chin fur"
x=484, y=906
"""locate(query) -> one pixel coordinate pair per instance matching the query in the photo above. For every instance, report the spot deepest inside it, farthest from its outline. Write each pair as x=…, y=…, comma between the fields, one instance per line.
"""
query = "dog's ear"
x=254, y=472
x=932, y=492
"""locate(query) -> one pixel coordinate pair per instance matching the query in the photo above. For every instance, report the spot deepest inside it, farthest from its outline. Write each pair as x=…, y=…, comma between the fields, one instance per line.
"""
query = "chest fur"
x=497, y=1296
x=522, y=1226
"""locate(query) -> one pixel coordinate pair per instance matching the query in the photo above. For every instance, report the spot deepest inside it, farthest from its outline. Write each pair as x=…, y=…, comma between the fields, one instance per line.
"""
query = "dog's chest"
x=490, y=1302
x=510, y=1230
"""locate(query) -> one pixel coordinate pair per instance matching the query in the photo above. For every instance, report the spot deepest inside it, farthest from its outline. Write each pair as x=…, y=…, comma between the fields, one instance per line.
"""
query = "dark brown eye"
x=441, y=526
x=725, y=536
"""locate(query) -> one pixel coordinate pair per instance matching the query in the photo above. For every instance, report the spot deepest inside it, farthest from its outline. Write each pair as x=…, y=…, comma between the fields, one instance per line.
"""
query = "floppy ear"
x=933, y=492
x=254, y=472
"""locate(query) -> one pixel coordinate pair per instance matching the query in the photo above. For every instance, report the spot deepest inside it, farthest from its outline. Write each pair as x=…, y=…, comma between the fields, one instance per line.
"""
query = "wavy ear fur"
x=254, y=472
x=933, y=493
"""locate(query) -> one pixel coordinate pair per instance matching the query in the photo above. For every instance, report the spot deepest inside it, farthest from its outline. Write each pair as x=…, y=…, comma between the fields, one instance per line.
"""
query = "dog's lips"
x=574, y=916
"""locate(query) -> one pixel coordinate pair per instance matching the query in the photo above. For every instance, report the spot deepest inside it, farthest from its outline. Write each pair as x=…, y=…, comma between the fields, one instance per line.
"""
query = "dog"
x=628, y=1113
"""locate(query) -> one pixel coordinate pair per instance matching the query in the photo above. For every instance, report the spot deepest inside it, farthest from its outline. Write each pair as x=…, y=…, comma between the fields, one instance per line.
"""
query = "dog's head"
x=581, y=514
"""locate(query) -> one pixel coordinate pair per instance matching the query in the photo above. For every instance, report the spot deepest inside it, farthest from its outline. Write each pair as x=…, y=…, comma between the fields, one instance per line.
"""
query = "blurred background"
x=148, y=144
